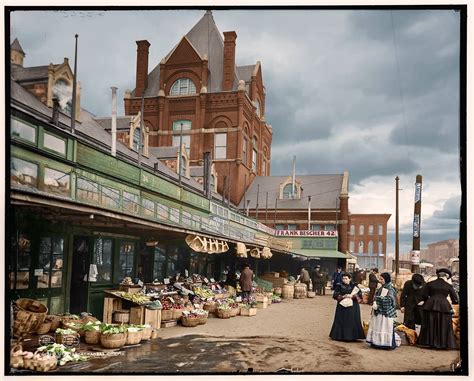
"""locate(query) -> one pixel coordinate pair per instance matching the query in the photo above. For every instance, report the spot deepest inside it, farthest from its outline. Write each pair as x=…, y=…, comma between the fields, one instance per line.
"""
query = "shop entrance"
x=80, y=269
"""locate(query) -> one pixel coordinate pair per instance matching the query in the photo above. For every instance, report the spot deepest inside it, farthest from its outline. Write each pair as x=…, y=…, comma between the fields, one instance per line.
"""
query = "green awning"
x=320, y=253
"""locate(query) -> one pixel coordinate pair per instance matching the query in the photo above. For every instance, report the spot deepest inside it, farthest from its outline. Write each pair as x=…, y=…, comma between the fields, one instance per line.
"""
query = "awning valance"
x=320, y=253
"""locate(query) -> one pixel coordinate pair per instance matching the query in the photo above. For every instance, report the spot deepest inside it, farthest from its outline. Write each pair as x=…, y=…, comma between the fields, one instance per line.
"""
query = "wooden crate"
x=153, y=317
x=111, y=304
x=263, y=304
x=277, y=282
x=248, y=311
x=137, y=315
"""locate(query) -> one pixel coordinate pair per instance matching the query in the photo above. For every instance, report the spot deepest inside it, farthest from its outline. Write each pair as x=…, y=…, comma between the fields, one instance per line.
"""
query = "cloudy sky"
x=372, y=92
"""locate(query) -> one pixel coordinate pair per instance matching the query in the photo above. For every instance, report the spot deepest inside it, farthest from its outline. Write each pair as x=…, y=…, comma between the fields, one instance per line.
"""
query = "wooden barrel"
x=121, y=316
x=29, y=315
x=114, y=340
x=288, y=291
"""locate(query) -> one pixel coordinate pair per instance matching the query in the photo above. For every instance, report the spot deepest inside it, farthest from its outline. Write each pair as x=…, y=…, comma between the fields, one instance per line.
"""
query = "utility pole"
x=309, y=212
x=415, y=253
x=397, y=243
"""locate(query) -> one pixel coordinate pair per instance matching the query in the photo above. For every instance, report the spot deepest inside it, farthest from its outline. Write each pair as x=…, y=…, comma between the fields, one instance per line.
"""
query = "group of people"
x=424, y=304
x=318, y=278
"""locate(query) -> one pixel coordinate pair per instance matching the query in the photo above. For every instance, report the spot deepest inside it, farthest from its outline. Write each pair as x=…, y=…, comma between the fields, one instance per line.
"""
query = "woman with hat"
x=436, y=326
x=381, y=334
x=410, y=300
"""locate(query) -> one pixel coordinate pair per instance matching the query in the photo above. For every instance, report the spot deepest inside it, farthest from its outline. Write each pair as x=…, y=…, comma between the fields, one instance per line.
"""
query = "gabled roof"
x=123, y=122
x=25, y=74
x=164, y=152
x=206, y=39
x=323, y=189
x=16, y=46
x=245, y=72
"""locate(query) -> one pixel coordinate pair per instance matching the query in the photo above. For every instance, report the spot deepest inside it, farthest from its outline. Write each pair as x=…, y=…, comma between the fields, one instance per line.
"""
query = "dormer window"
x=183, y=86
x=62, y=90
x=136, y=139
x=287, y=193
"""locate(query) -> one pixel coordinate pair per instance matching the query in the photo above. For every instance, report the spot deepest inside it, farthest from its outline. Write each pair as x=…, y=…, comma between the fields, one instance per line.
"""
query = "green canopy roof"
x=320, y=253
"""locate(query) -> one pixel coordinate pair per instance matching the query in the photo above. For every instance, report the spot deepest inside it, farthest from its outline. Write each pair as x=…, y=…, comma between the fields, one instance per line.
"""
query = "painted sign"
x=417, y=192
x=415, y=257
x=306, y=233
x=416, y=225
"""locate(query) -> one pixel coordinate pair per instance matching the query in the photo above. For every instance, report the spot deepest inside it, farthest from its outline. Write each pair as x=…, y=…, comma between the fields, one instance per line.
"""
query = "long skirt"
x=381, y=334
x=437, y=330
x=347, y=325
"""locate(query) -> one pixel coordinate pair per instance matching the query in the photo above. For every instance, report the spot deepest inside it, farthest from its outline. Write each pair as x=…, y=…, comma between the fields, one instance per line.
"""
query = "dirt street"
x=292, y=335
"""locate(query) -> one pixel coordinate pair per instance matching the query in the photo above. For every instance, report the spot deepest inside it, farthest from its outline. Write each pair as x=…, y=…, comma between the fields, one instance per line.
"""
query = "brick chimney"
x=229, y=60
x=142, y=67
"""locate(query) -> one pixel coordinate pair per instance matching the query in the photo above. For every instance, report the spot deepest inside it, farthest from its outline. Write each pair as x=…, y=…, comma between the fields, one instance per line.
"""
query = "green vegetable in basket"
x=67, y=331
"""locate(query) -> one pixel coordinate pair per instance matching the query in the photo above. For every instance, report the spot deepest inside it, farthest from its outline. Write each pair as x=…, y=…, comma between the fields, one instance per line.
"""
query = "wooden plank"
x=108, y=310
x=137, y=315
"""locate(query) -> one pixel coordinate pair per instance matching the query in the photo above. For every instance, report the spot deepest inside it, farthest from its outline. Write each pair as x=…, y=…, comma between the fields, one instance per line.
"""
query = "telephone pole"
x=397, y=243
x=415, y=253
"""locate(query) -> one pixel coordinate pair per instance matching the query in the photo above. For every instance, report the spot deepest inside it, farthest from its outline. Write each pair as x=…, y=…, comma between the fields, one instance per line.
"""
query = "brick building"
x=368, y=239
x=198, y=91
x=439, y=253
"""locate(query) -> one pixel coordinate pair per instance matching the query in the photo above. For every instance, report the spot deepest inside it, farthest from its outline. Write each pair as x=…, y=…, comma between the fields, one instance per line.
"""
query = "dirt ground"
x=291, y=335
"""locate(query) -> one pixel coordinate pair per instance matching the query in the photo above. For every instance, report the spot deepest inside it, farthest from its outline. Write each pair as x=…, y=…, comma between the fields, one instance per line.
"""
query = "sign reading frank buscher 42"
x=306, y=233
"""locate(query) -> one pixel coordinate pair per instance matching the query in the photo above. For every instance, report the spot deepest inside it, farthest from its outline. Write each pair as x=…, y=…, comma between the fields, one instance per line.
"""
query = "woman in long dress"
x=436, y=326
x=347, y=325
x=410, y=301
x=381, y=333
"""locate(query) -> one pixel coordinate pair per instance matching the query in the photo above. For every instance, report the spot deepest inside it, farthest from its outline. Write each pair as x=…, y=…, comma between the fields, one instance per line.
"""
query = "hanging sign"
x=306, y=233
x=38, y=272
x=417, y=192
x=416, y=225
x=415, y=257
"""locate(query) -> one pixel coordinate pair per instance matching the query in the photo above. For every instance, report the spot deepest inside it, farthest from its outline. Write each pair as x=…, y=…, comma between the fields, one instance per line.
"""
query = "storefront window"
x=148, y=207
x=50, y=265
x=20, y=274
x=159, y=259
x=54, y=143
x=162, y=211
x=315, y=227
x=23, y=173
x=56, y=182
x=130, y=202
x=197, y=264
x=20, y=129
x=172, y=262
x=87, y=190
x=174, y=215
x=102, y=258
x=126, y=259
x=110, y=197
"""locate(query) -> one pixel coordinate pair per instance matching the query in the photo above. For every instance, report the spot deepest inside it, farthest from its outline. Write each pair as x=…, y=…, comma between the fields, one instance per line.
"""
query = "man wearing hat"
x=409, y=300
x=436, y=323
x=316, y=278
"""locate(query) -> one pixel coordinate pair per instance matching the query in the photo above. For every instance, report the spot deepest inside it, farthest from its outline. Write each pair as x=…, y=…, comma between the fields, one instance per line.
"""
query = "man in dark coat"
x=336, y=277
x=245, y=281
x=373, y=282
x=316, y=278
x=324, y=280
x=411, y=296
x=304, y=277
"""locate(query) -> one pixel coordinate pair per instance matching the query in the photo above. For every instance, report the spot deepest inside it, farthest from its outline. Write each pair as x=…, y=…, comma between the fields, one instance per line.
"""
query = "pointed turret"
x=17, y=54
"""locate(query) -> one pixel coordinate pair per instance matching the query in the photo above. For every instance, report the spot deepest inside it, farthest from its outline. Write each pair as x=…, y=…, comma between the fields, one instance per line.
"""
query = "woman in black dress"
x=409, y=300
x=347, y=325
x=437, y=326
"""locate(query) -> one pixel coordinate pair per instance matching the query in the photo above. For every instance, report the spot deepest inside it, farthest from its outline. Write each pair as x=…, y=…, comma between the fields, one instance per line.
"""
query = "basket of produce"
x=277, y=291
x=210, y=307
x=89, y=318
x=189, y=321
x=167, y=314
x=234, y=311
x=147, y=331
x=29, y=315
x=62, y=353
x=67, y=318
x=113, y=336
x=92, y=333
x=202, y=317
x=44, y=327
x=75, y=325
x=43, y=362
x=67, y=336
x=224, y=312
x=121, y=316
x=276, y=299
x=55, y=322
x=177, y=313
x=16, y=356
x=134, y=335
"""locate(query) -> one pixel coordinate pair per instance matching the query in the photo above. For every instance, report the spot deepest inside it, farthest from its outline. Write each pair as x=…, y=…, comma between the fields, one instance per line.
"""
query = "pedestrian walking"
x=347, y=325
x=304, y=277
x=245, y=281
x=373, y=282
x=336, y=277
x=324, y=281
x=381, y=333
x=436, y=324
x=316, y=278
x=410, y=300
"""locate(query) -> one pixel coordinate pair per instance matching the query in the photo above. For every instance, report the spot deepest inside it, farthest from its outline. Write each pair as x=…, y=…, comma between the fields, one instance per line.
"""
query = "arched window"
x=351, y=246
x=183, y=86
x=361, y=247
x=352, y=231
x=380, y=247
x=62, y=90
x=287, y=191
x=136, y=139
x=371, y=247
x=361, y=230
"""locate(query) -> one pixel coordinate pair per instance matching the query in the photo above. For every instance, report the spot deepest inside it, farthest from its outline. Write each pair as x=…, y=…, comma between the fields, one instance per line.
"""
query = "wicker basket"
x=187, y=321
x=88, y=318
x=134, y=337
x=71, y=324
x=44, y=328
x=113, y=340
x=55, y=322
x=234, y=311
x=167, y=314
x=277, y=291
x=92, y=337
x=146, y=333
x=29, y=315
x=28, y=363
x=177, y=313
x=67, y=339
x=43, y=363
x=121, y=316
x=211, y=308
x=311, y=294
x=16, y=361
x=202, y=319
x=223, y=314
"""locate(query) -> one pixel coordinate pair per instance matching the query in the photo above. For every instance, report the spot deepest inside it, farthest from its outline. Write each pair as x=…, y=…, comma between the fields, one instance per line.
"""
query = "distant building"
x=438, y=253
x=368, y=239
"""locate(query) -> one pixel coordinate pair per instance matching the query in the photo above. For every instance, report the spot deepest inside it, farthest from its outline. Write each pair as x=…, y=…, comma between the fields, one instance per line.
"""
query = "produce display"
x=62, y=353
x=203, y=293
x=66, y=331
x=110, y=329
x=276, y=299
x=137, y=298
